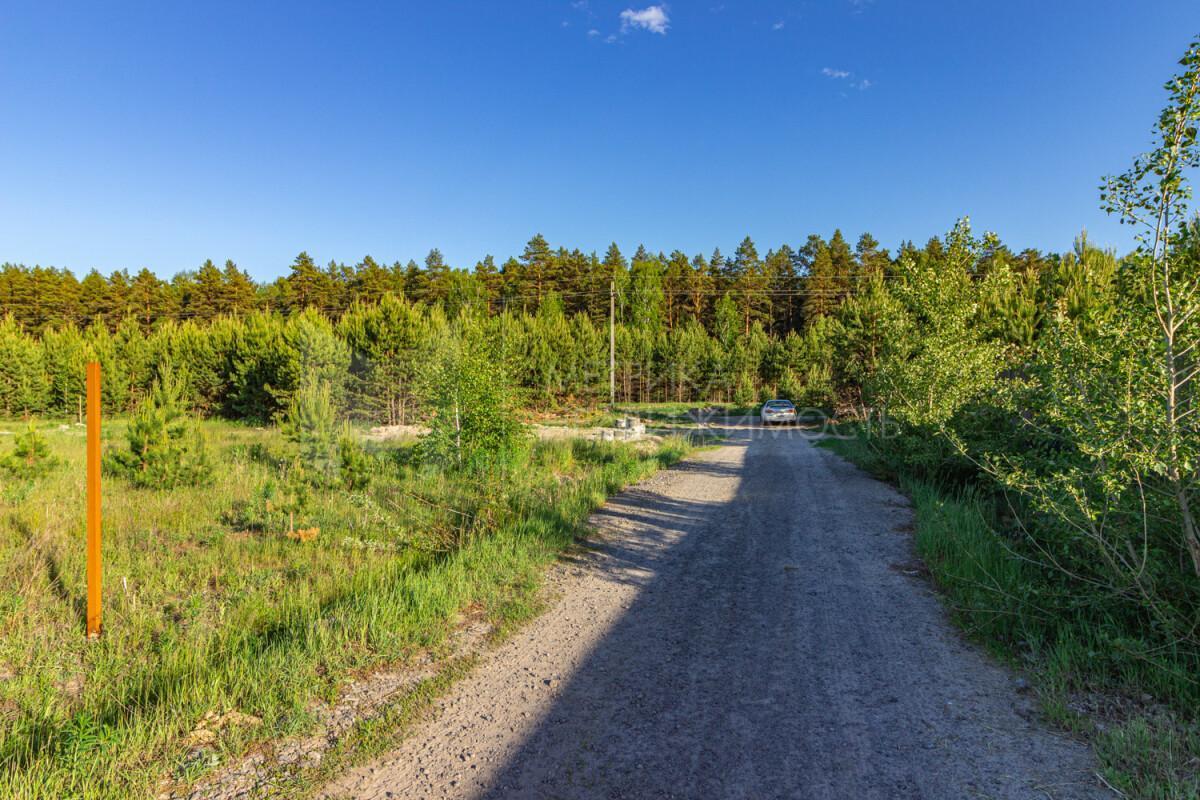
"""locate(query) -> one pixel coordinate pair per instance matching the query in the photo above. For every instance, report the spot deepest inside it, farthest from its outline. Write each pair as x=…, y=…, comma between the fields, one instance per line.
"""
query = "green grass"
x=206, y=610
x=1139, y=714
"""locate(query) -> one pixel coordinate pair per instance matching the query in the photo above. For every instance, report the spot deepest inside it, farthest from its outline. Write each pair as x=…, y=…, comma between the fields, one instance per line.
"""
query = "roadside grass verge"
x=209, y=610
x=1138, y=709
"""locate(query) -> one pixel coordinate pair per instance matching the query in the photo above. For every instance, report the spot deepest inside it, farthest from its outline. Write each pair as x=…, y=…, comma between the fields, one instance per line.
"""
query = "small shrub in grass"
x=327, y=458
x=30, y=458
x=354, y=463
x=165, y=448
x=308, y=423
x=279, y=504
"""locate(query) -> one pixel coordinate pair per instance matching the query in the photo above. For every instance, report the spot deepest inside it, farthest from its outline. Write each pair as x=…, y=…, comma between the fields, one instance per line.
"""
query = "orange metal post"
x=94, y=568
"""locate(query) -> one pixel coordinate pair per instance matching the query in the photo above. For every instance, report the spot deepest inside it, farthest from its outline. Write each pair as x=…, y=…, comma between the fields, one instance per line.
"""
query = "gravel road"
x=745, y=628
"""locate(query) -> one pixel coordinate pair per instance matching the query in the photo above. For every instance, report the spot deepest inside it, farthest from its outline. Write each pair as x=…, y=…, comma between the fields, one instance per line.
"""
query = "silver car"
x=778, y=412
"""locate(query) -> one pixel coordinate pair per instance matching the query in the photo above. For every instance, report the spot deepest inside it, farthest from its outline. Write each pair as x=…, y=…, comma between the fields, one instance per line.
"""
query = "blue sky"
x=160, y=134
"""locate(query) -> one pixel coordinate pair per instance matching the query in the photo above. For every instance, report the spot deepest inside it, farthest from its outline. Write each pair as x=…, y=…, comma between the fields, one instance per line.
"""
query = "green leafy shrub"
x=165, y=447
x=471, y=400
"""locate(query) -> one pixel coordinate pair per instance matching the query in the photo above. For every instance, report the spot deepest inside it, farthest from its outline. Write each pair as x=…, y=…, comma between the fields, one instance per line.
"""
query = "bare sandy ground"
x=745, y=628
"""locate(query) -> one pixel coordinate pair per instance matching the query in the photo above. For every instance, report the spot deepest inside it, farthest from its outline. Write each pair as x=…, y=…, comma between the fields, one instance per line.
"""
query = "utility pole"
x=612, y=344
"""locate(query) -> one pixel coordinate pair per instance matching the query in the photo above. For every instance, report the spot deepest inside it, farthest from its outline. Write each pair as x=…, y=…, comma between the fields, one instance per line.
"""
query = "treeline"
x=247, y=367
x=782, y=290
x=687, y=329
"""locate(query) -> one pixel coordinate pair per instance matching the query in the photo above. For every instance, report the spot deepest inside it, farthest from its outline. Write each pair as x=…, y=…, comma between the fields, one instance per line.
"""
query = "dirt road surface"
x=745, y=628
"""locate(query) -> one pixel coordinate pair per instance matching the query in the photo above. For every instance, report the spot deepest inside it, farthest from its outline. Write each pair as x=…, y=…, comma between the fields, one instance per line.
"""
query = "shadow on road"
x=771, y=652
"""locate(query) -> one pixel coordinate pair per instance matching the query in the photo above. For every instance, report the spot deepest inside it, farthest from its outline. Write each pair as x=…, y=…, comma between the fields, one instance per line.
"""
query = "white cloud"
x=778, y=26
x=593, y=33
x=862, y=84
x=651, y=18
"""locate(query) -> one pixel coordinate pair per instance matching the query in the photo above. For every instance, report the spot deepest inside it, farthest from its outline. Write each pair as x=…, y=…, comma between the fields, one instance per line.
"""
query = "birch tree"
x=1153, y=195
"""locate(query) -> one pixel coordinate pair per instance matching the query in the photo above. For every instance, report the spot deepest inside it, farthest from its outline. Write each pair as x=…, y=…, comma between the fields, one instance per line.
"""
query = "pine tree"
x=207, y=297
x=750, y=284
x=844, y=267
x=93, y=297
x=870, y=262
x=437, y=276
x=165, y=448
x=416, y=282
x=23, y=385
x=615, y=264
x=615, y=274
x=308, y=422
x=334, y=294
x=934, y=252
x=40, y=304
x=148, y=296
x=239, y=291
x=646, y=301
x=699, y=289
x=371, y=282
x=66, y=301
x=64, y=358
x=30, y=457
x=782, y=282
x=676, y=281
x=718, y=271
x=306, y=283
x=573, y=279
x=490, y=281
x=120, y=304
x=726, y=322
x=821, y=286
x=536, y=272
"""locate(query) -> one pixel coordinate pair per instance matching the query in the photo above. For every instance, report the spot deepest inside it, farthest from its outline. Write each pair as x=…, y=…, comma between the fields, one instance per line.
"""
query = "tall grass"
x=990, y=587
x=207, y=614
